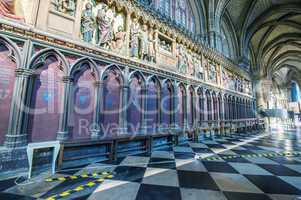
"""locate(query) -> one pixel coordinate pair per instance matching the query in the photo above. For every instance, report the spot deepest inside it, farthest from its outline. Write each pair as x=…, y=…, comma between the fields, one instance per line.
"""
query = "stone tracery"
x=120, y=39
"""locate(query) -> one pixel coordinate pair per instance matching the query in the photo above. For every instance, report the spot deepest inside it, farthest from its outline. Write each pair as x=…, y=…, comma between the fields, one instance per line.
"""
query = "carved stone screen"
x=111, y=104
x=7, y=81
x=134, y=110
x=83, y=105
x=152, y=106
x=46, y=105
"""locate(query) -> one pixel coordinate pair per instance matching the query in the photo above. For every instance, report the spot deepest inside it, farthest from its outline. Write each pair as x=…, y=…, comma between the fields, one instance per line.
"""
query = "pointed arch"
x=113, y=83
x=80, y=62
x=167, y=103
x=15, y=52
x=39, y=59
x=114, y=69
x=48, y=96
x=83, y=99
x=136, y=101
x=10, y=61
x=153, y=115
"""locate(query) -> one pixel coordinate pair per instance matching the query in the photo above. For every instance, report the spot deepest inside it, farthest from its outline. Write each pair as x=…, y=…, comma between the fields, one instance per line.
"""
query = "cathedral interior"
x=150, y=99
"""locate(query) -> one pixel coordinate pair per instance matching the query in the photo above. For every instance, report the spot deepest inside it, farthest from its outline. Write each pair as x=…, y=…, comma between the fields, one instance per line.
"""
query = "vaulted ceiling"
x=268, y=34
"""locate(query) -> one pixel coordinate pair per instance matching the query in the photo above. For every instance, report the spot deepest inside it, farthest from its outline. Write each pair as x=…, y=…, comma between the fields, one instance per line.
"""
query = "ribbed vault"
x=269, y=37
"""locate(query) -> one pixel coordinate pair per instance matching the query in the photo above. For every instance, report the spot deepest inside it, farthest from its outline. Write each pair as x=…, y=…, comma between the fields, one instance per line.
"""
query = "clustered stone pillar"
x=63, y=133
x=17, y=136
x=174, y=107
x=185, y=110
x=222, y=103
x=96, y=131
x=143, y=126
x=159, y=112
x=123, y=109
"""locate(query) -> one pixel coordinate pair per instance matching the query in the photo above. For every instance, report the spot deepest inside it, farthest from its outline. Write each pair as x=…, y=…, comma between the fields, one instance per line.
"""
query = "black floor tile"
x=127, y=173
x=202, y=150
x=184, y=155
x=112, y=162
x=279, y=170
x=155, y=192
x=273, y=185
x=8, y=196
x=216, y=146
x=237, y=159
x=162, y=163
x=7, y=183
x=243, y=152
x=251, y=147
x=245, y=196
x=221, y=167
x=286, y=160
x=197, y=180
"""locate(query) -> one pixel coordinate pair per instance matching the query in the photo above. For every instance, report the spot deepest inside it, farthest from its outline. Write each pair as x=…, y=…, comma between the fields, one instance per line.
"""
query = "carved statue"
x=190, y=63
x=152, y=46
x=87, y=23
x=212, y=74
x=57, y=5
x=225, y=79
x=144, y=42
x=200, y=69
x=134, y=39
x=104, y=20
x=69, y=7
x=65, y=6
x=8, y=9
x=182, y=59
x=118, y=41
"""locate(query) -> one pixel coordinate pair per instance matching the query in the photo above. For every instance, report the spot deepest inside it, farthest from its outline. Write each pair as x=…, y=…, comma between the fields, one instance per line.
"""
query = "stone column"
x=97, y=131
x=63, y=133
x=212, y=107
x=16, y=135
x=222, y=117
x=127, y=30
x=159, y=113
x=123, y=129
x=205, y=107
x=197, y=109
x=185, y=110
x=143, y=127
x=174, y=103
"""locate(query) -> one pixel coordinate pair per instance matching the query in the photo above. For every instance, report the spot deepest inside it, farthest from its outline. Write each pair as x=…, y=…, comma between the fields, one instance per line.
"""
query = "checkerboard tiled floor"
x=174, y=173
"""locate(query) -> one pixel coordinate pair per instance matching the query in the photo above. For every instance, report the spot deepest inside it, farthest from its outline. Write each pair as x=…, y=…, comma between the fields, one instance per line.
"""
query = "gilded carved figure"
x=144, y=51
x=212, y=73
x=65, y=6
x=182, y=59
x=134, y=38
x=87, y=23
x=190, y=63
x=69, y=7
x=200, y=68
x=118, y=41
x=104, y=20
x=152, y=46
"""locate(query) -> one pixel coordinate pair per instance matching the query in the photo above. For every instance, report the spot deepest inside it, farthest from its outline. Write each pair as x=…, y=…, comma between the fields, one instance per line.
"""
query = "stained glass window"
x=165, y=7
x=180, y=11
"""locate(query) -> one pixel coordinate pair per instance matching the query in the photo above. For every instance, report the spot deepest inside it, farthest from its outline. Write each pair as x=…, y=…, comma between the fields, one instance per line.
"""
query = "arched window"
x=165, y=7
x=178, y=10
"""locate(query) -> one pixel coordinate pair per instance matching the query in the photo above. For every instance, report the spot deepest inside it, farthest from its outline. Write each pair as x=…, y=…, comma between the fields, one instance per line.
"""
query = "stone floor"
x=250, y=167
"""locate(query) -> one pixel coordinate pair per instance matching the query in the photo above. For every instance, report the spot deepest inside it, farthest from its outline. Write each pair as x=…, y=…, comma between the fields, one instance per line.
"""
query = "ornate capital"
x=67, y=79
x=22, y=72
x=99, y=83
